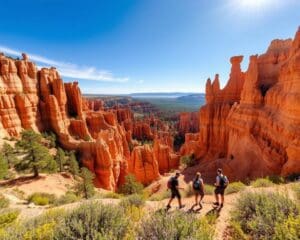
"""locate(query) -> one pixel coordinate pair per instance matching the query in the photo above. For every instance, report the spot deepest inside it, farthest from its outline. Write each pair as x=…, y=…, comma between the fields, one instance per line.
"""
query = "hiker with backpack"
x=198, y=188
x=173, y=185
x=221, y=184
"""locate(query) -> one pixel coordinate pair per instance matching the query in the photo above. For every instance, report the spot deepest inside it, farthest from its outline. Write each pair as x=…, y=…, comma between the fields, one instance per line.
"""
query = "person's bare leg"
x=179, y=202
x=170, y=201
x=222, y=199
x=196, y=200
x=217, y=198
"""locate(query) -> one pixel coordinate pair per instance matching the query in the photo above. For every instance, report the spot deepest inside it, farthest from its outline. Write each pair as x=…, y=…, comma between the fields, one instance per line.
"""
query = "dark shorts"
x=219, y=190
x=199, y=192
x=175, y=193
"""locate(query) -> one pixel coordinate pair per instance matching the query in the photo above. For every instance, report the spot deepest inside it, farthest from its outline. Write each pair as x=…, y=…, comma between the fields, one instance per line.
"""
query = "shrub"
x=69, y=197
x=235, y=187
x=289, y=229
x=209, y=189
x=94, y=221
x=41, y=198
x=296, y=189
x=188, y=160
x=111, y=195
x=8, y=216
x=3, y=167
x=176, y=225
x=276, y=179
x=131, y=186
x=293, y=177
x=133, y=200
x=235, y=231
x=261, y=182
x=4, y=202
x=42, y=232
x=259, y=213
x=160, y=196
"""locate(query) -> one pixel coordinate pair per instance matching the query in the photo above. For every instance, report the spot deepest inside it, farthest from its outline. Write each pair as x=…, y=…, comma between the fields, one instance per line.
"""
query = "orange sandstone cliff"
x=39, y=100
x=251, y=128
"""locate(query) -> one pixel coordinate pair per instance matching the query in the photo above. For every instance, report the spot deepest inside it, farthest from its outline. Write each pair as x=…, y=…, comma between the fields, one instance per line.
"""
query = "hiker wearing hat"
x=198, y=188
x=173, y=185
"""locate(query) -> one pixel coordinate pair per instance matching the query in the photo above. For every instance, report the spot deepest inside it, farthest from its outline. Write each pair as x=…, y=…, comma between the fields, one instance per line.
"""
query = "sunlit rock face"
x=251, y=127
x=39, y=100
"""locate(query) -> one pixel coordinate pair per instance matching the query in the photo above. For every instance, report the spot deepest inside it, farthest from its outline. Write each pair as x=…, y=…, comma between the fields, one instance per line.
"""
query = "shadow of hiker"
x=213, y=214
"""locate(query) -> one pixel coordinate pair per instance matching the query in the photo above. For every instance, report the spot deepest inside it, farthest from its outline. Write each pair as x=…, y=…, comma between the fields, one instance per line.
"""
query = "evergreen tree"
x=37, y=156
x=9, y=154
x=60, y=159
x=3, y=167
x=86, y=186
x=73, y=164
x=131, y=186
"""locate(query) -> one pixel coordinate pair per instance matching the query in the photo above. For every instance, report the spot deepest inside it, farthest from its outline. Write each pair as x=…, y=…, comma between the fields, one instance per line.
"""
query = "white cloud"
x=140, y=81
x=69, y=69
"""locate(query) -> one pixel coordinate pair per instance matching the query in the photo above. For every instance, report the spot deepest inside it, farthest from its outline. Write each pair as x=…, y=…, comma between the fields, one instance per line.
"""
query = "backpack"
x=170, y=184
x=223, y=181
x=197, y=184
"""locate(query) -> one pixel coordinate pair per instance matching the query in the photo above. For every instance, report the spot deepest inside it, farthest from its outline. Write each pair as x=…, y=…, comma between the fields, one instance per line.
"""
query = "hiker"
x=198, y=188
x=221, y=184
x=173, y=185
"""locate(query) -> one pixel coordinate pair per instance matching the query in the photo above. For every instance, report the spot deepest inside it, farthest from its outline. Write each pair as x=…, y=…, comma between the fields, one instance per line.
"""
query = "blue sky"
x=126, y=46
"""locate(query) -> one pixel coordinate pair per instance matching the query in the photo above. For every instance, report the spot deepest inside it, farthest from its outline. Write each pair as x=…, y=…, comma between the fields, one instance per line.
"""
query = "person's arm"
x=217, y=181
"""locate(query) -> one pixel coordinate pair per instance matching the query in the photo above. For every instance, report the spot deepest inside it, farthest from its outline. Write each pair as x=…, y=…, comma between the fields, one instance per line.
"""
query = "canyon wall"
x=251, y=128
x=104, y=139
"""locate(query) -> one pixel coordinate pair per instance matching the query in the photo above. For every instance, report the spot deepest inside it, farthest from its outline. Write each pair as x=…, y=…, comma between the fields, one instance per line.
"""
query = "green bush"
x=276, y=179
x=235, y=231
x=113, y=195
x=209, y=189
x=41, y=198
x=235, y=187
x=4, y=202
x=261, y=182
x=188, y=160
x=68, y=197
x=259, y=213
x=175, y=225
x=296, y=188
x=8, y=216
x=131, y=186
x=289, y=229
x=94, y=221
x=41, y=232
x=133, y=200
x=160, y=196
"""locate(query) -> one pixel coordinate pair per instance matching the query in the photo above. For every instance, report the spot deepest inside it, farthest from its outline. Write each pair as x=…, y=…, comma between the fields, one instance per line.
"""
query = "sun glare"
x=254, y=3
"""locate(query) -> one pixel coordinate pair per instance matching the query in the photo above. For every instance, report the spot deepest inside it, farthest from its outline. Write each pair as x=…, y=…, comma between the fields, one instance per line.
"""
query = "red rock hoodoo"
x=251, y=128
x=39, y=100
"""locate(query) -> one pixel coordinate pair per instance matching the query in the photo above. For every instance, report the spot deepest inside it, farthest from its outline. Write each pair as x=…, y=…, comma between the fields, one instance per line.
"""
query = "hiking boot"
x=216, y=203
x=221, y=205
x=168, y=207
x=182, y=206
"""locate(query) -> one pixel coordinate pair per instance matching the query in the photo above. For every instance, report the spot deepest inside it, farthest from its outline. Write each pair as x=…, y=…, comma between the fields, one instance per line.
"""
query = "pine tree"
x=86, y=186
x=3, y=167
x=60, y=159
x=9, y=154
x=37, y=156
x=73, y=163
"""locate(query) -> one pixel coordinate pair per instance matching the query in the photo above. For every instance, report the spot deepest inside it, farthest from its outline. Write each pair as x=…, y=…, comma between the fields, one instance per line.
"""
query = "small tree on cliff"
x=37, y=156
x=3, y=167
x=86, y=186
x=131, y=185
x=60, y=159
x=73, y=164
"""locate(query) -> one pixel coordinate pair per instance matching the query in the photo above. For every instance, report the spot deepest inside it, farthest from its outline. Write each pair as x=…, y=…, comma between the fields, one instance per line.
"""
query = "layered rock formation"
x=251, y=128
x=39, y=100
x=188, y=122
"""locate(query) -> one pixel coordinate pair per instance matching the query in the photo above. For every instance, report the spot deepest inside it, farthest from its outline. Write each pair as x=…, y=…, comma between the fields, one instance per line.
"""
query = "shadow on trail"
x=214, y=213
x=20, y=180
